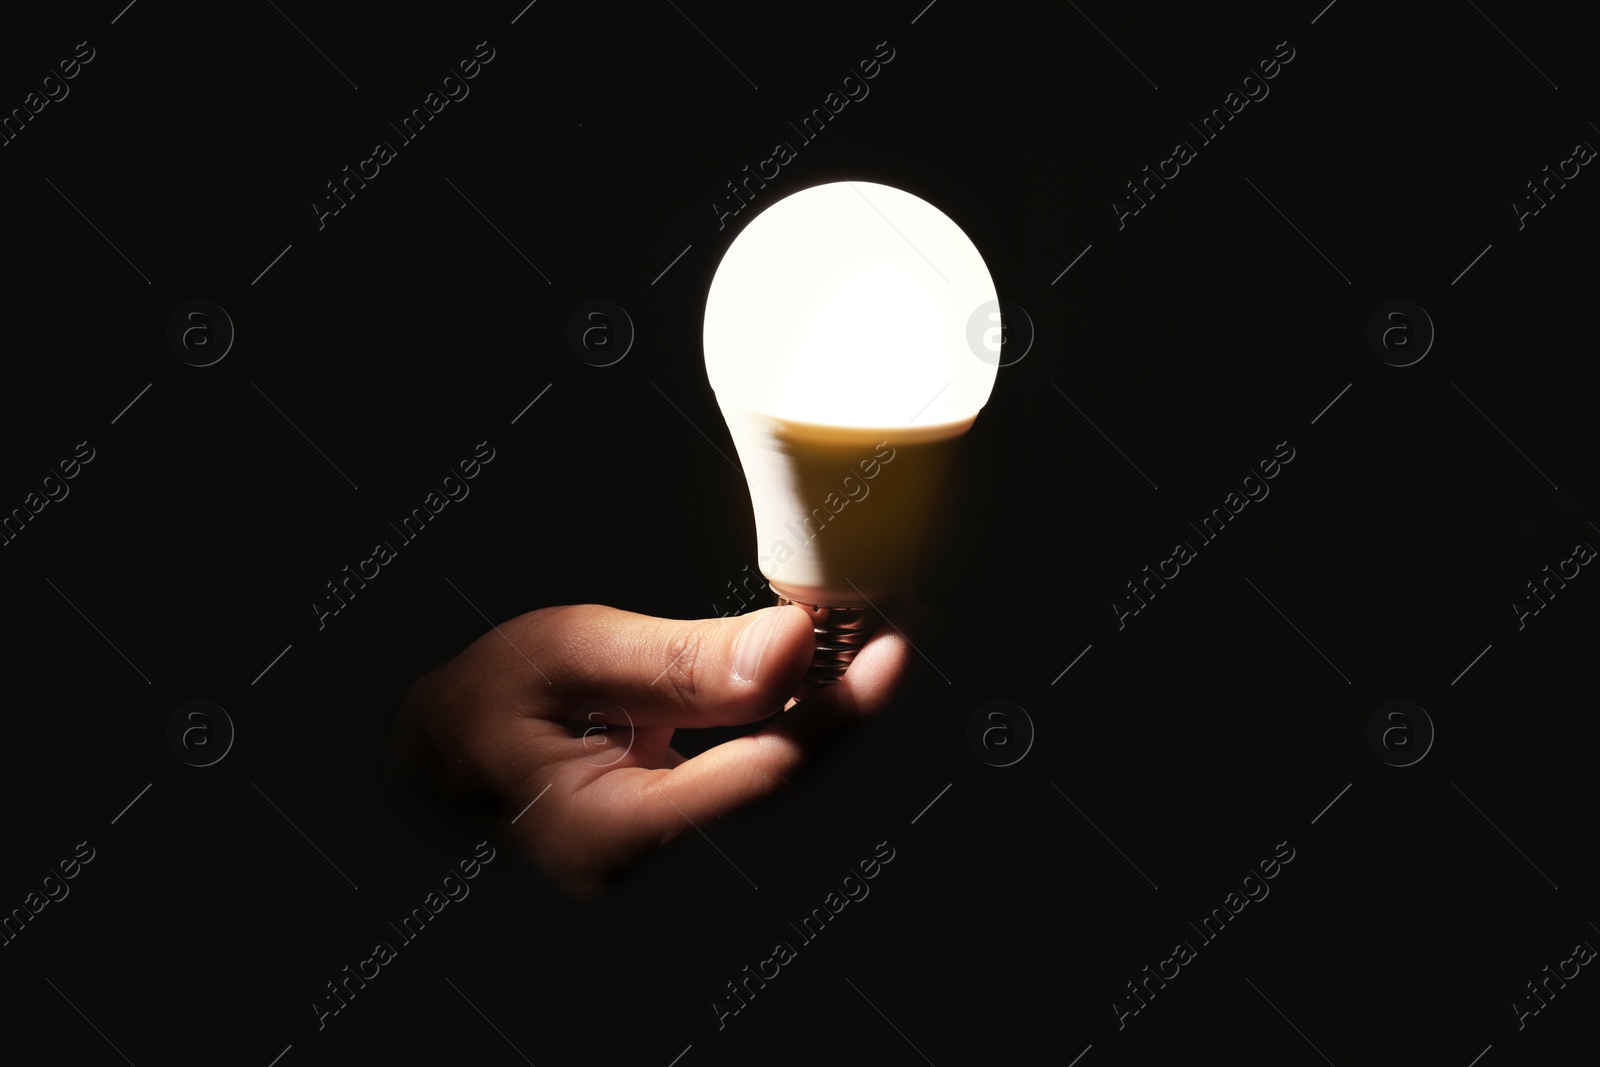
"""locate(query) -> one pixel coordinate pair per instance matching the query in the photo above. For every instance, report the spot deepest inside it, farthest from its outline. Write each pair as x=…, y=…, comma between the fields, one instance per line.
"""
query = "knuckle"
x=681, y=662
x=558, y=641
x=551, y=624
x=775, y=769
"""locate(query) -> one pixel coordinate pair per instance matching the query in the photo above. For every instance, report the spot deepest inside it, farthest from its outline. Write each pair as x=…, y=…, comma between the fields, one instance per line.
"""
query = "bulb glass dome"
x=836, y=341
x=847, y=304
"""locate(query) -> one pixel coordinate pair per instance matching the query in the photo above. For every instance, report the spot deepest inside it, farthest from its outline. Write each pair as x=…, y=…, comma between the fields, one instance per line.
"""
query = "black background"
x=1220, y=721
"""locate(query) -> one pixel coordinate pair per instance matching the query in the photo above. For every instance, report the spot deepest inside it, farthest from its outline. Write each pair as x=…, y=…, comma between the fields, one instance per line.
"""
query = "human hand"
x=517, y=717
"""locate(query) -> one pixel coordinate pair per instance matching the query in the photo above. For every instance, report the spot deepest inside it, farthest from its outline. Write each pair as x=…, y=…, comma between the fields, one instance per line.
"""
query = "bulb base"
x=840, y=633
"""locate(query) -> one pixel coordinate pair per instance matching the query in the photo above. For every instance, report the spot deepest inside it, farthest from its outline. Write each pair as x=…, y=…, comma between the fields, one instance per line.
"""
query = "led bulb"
x=836, y=342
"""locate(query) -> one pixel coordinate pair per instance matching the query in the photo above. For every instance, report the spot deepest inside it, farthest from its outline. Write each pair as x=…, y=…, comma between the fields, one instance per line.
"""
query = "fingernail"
x=751, y=645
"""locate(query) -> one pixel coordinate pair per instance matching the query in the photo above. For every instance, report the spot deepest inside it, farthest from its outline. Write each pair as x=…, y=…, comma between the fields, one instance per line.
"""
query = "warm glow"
x=847, y=305
x=838, y=321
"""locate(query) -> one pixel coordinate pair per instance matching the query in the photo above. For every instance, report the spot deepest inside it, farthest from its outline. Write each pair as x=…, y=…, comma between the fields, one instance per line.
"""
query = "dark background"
x=1223, y=719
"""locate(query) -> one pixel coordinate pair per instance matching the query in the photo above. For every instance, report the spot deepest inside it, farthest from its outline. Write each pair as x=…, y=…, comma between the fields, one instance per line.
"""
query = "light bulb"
x=836, y=340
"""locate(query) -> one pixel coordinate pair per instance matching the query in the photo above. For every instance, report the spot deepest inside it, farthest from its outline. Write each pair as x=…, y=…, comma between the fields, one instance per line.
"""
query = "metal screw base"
x=840, y=633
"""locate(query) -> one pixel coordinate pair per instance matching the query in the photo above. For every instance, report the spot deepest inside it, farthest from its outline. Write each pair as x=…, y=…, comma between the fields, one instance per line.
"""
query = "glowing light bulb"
x=836, y=341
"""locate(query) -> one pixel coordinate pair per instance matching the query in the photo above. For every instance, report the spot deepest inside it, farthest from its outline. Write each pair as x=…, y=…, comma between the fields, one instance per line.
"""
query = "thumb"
x=674, y=672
